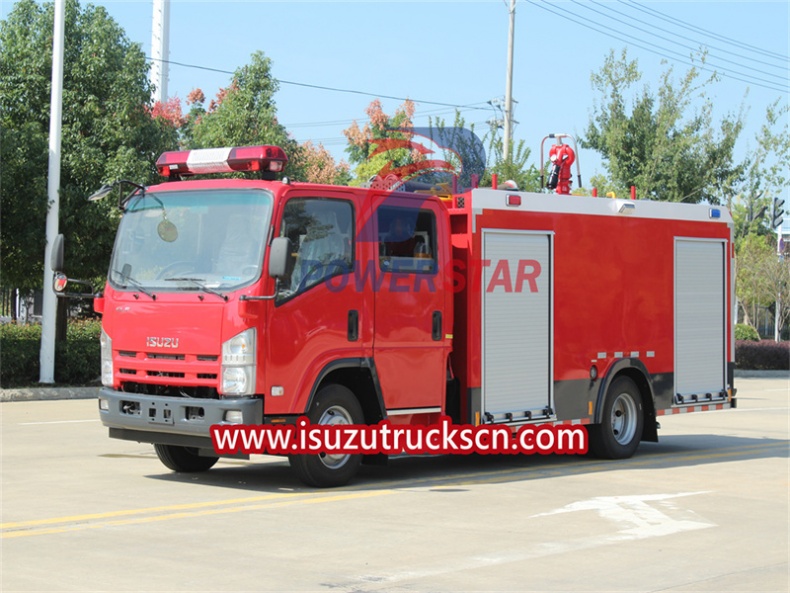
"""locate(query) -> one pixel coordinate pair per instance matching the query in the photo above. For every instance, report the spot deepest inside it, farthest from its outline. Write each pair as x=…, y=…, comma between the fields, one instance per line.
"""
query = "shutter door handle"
x=437, y=326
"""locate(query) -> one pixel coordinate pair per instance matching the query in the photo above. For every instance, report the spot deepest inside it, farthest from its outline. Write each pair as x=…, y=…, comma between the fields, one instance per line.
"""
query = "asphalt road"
x=706, y=509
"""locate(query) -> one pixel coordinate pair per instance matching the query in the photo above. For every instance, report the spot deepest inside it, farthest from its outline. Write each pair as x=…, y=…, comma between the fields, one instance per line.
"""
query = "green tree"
x=750, y=213
x=382, y=145
x=242, y=114
x=108, y=133
x=318, y=165
x=752, y=287
x=767, y=172
x=777, y=271
x=762, y=278
x=658, y=141
x=516, y=168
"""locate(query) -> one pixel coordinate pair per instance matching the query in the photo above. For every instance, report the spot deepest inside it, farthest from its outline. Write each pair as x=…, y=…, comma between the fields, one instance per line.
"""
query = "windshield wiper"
x=199, y=283
x=128, y=280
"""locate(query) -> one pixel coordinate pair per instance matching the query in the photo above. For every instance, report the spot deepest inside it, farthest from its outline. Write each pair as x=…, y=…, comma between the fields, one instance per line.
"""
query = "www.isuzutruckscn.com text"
x=442, y=438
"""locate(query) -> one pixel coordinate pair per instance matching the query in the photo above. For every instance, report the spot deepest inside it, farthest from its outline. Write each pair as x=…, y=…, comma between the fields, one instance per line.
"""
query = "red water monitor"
x=562, y=157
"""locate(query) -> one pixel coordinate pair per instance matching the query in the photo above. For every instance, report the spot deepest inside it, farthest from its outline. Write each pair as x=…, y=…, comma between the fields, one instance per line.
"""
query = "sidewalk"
x=27, y=394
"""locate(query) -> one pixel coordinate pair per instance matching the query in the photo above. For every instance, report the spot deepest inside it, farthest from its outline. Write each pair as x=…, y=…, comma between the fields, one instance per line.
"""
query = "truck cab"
x=245, y=301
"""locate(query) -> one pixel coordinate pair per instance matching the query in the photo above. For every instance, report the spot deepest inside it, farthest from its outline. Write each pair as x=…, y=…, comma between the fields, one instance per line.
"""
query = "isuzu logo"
x=152, y=342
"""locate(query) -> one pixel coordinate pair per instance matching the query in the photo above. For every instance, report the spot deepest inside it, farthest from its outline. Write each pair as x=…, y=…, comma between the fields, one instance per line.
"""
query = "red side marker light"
x=513, y=200
x=59, y=282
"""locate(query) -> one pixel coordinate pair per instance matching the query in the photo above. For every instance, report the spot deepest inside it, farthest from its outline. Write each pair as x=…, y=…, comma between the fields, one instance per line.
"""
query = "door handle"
x=353, y=325
x=437, y=326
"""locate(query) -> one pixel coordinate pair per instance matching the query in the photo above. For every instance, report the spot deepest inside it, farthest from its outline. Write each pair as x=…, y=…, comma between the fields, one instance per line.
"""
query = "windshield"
x=209, y=240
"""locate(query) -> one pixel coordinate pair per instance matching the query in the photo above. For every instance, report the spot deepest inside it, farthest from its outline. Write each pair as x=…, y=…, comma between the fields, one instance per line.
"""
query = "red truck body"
x=489, y=306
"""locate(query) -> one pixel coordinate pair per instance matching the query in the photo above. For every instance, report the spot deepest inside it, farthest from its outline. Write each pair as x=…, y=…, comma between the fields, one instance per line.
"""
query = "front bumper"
x=171, y=420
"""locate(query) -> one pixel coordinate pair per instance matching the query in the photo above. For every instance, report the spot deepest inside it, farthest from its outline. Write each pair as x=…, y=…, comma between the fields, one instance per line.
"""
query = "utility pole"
x=49, y=313
x=777, y=217
x=160, y=49
x=509, y=83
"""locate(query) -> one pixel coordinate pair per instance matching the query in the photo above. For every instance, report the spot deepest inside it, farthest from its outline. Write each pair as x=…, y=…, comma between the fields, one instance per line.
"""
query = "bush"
x=77, y=360
x=766, y=355
x=746, y=332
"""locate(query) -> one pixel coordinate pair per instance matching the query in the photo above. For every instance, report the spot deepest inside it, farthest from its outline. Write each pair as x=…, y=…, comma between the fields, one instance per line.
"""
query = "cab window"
x=320, y=232
x=407, y=240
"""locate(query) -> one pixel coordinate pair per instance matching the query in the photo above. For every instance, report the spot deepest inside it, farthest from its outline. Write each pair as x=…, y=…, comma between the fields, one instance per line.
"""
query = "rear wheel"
x=184, y=459
x=333, y=405
x=620, y=430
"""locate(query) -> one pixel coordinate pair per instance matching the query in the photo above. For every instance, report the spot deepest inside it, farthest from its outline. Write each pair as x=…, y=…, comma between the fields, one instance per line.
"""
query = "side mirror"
x=101, y=193
x=278, y=256
x=59, y=282
x=56, y=255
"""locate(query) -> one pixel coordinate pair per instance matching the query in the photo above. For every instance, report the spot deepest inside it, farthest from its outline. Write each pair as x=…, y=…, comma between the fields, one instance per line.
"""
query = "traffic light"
x=777, y=215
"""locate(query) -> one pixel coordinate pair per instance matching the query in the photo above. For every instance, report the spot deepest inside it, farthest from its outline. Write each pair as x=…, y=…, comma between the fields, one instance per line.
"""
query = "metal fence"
x=20, y=305
x=8, y=303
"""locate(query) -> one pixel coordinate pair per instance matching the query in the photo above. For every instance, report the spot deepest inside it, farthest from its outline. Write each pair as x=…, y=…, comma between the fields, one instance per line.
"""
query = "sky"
x=455, y=53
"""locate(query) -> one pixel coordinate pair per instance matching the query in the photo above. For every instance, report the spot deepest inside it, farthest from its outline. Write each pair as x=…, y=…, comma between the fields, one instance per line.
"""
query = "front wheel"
x=333, y=405
x=620, y=431
x=184, y=459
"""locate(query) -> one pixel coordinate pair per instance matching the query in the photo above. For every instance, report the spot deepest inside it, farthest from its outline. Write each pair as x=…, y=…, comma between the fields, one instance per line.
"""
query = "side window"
x=321, y=234
x=407, y=240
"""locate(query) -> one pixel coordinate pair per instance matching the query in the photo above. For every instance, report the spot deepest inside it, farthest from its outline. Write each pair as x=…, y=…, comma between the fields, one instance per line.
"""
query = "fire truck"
x=257, y=301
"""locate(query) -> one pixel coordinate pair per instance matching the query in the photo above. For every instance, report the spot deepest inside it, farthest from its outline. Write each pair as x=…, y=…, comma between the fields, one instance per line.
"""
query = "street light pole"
x=509, y=84
x=160, y=49
x=49, y=312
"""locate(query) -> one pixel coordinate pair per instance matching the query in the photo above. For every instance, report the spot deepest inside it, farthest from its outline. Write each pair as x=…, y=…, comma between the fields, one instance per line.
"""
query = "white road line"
x=758, y=409
x=58, y=422
x=636, y=518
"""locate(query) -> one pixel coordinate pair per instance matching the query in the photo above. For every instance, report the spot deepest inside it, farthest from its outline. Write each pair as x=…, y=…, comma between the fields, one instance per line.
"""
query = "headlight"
x=106, y=359
x=238, y=364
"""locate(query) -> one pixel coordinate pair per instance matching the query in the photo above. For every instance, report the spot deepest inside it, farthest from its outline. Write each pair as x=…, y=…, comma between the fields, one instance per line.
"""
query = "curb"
x=28, y=394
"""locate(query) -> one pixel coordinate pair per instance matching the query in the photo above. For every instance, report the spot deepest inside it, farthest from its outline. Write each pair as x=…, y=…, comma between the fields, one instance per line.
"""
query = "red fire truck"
x=257, y=301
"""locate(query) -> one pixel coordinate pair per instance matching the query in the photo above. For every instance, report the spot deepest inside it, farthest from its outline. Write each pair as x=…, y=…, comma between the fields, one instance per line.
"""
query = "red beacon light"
x=183, y=163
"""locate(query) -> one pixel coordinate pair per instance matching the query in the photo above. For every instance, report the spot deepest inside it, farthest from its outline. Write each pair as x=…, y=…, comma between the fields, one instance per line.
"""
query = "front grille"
x=169, y=374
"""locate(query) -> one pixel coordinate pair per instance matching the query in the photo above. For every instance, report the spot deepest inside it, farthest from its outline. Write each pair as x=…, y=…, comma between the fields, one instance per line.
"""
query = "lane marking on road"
x=186, y=510
x=636, y=518
x=142, y=511
x=57, y=422
x=731, y=410
x=193, y=514
x=635, y=515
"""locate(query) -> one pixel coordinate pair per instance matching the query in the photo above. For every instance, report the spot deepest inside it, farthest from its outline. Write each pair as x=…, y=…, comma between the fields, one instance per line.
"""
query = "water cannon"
x=561, y=157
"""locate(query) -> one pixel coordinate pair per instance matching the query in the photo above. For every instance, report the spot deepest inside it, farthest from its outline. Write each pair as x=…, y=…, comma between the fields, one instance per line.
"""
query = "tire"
x=184, y=459
x=334, y=404
x=620, y=431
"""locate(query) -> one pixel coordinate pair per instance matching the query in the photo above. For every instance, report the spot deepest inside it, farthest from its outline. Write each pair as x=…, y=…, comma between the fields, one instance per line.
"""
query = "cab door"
x=319, y=318
x=411, y=313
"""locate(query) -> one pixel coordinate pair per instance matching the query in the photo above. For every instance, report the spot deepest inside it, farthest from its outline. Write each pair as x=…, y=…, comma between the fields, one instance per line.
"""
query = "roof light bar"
x=181, y=163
